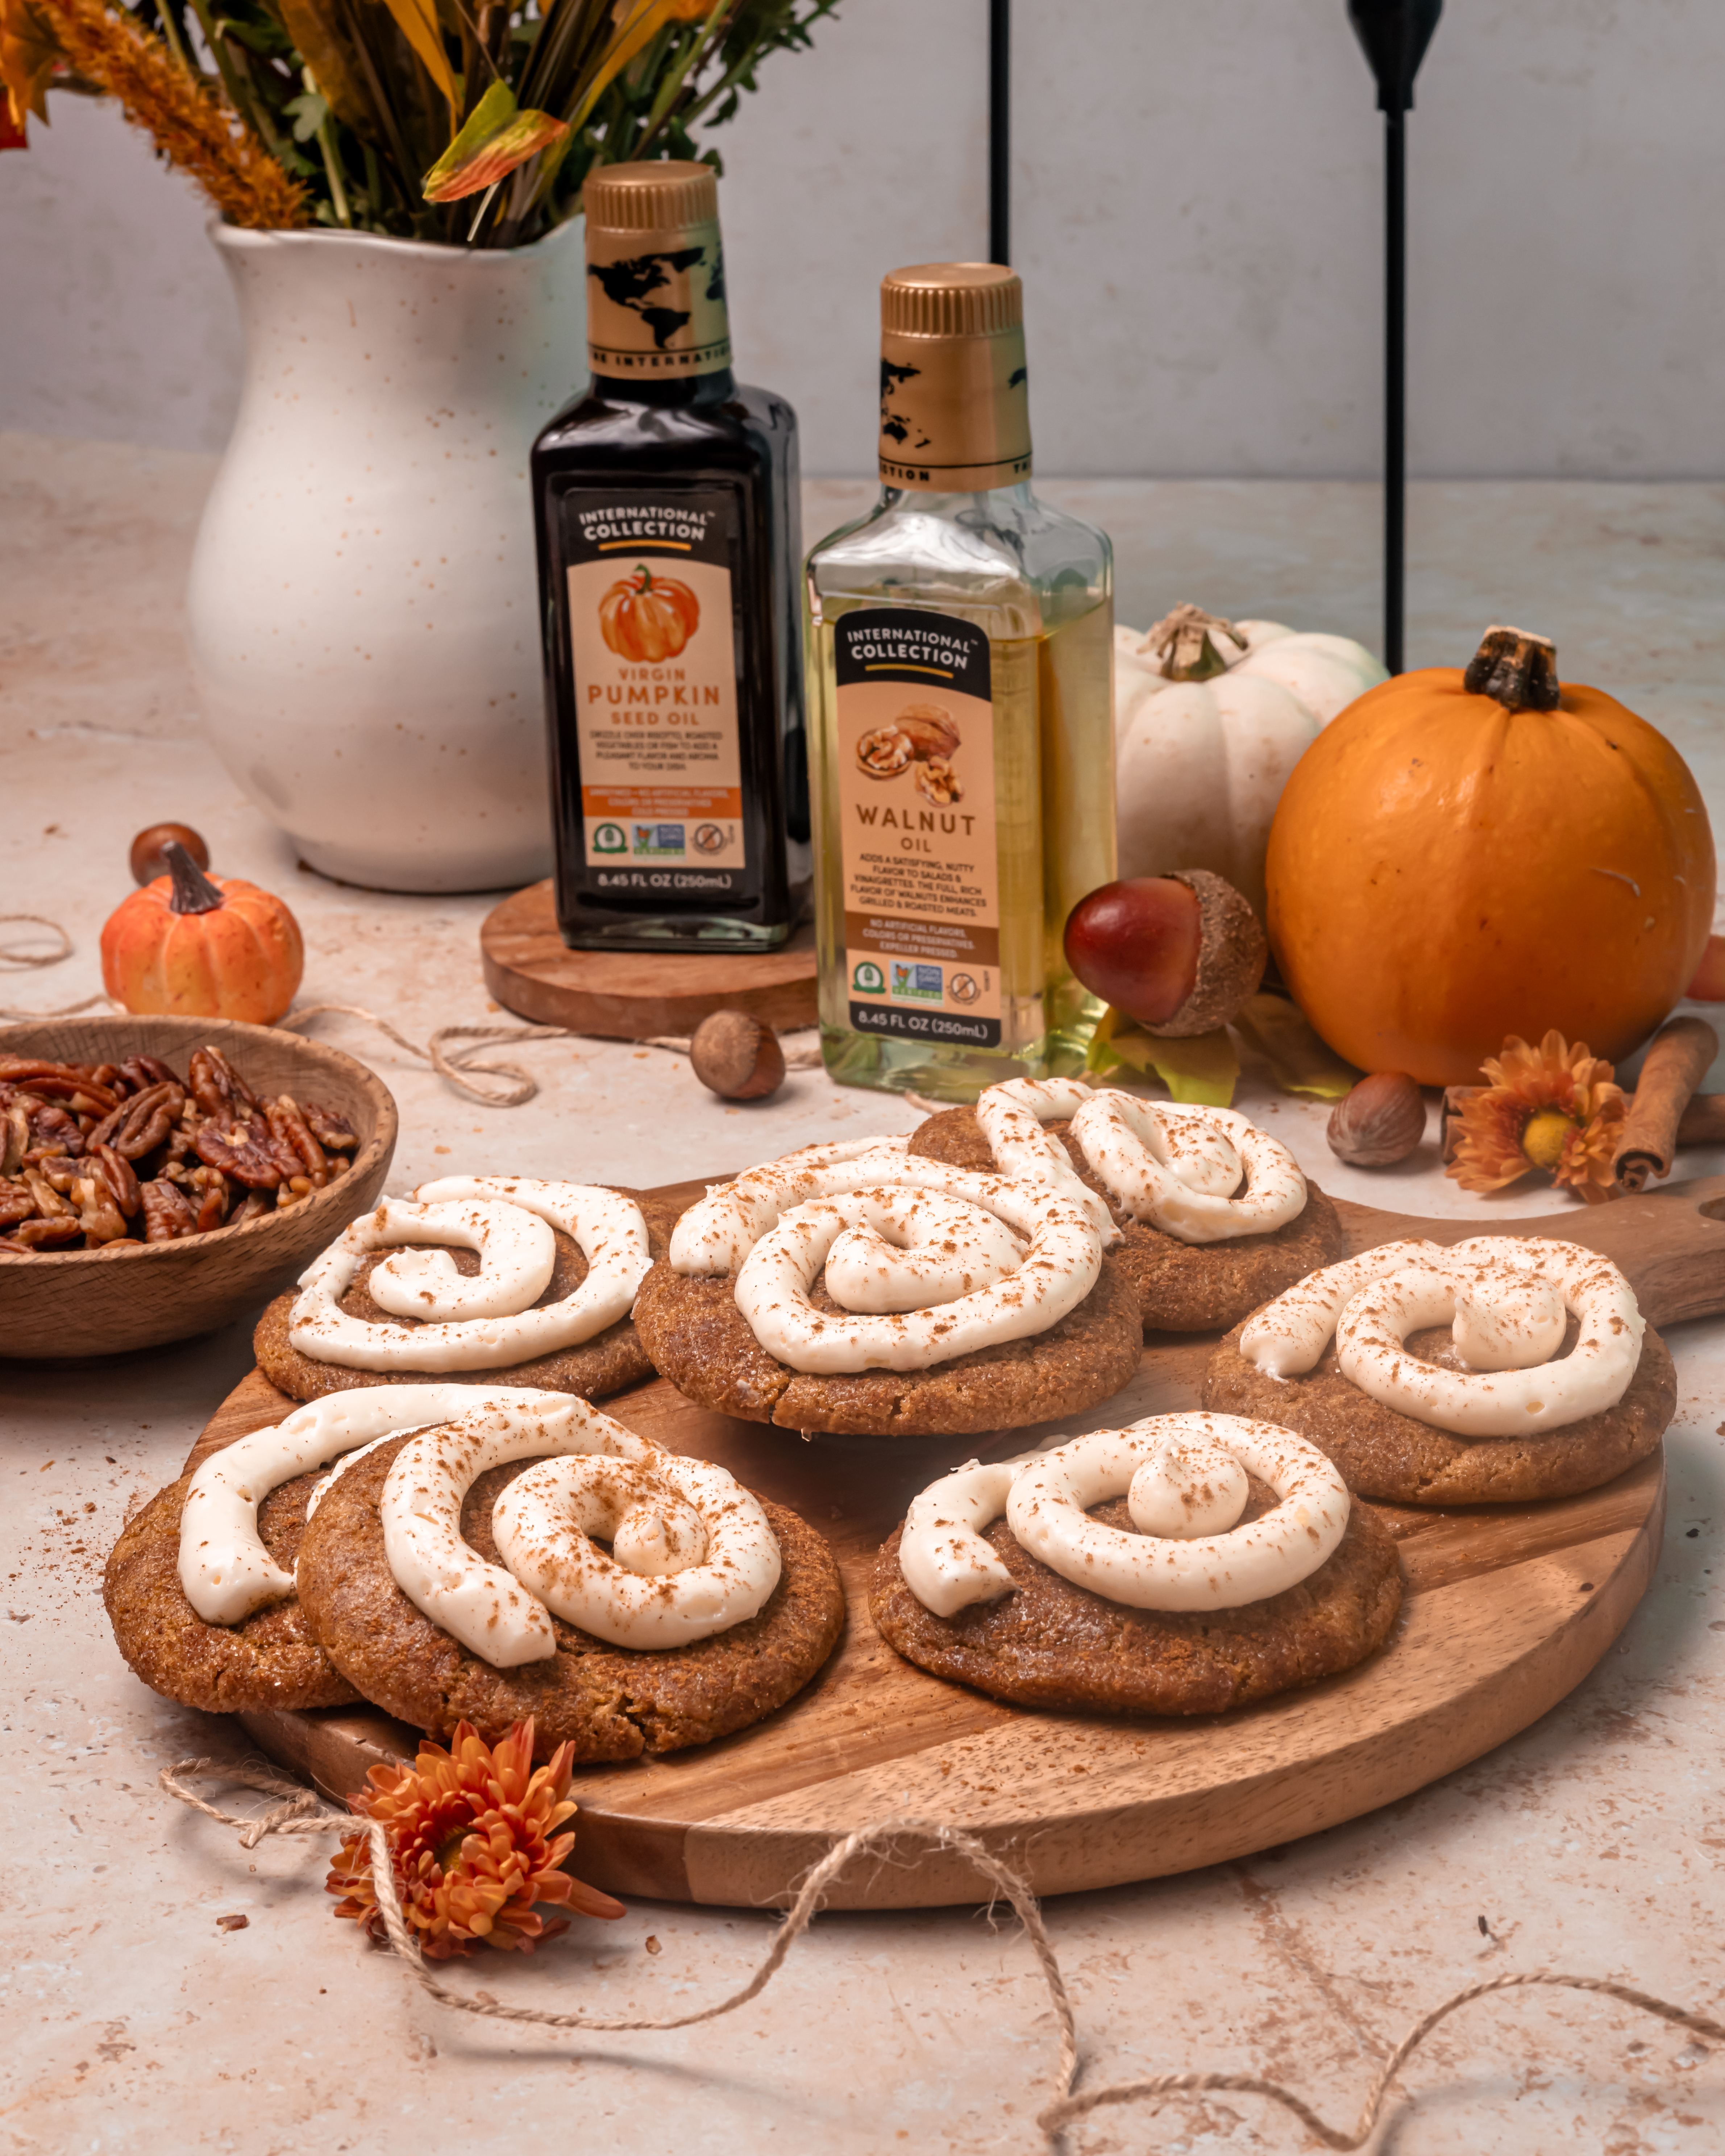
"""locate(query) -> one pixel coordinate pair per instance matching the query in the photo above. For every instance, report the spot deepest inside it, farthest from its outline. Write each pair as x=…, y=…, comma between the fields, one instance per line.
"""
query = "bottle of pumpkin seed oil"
x=960, y=640
x=668, y=515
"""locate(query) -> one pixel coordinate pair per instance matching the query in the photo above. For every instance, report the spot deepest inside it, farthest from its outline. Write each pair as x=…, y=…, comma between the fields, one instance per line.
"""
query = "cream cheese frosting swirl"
x=487, y=1322
x=947, y=1262
x=1506, y=1298
x=224, y=1568
x=1184, y=1479
x=692, y=1552
x=661, y=1587
x=1200, y=1174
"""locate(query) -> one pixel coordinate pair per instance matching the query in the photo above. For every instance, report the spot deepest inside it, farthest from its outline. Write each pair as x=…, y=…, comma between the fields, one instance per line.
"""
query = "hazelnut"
x=1382, y=1120
x=738, y=1057
x=148, y=859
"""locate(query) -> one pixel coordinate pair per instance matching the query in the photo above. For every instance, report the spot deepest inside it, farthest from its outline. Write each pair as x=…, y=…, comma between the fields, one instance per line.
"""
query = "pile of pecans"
x=94, y=1155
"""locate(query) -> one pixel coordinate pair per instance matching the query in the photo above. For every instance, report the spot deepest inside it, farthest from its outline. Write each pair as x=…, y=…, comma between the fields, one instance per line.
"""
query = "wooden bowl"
x=105, y=1302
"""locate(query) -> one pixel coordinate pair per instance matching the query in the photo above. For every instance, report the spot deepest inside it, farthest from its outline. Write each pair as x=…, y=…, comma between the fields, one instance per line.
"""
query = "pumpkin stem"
x=193, y=892
x=1184, y=641
x=646, y=579
x=1516, y=669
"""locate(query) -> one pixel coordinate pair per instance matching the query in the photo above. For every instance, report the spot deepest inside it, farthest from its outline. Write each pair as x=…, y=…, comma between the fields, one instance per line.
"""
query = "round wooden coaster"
x=633, y=995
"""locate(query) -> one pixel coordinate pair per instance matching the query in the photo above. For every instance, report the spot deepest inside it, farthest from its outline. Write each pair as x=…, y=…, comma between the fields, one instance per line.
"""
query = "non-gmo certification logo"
x=608, y=838
x=868, y=979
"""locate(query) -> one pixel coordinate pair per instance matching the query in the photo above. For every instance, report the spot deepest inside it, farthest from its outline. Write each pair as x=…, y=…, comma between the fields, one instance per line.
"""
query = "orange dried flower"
x=473, y=1835
x=1553, y=1107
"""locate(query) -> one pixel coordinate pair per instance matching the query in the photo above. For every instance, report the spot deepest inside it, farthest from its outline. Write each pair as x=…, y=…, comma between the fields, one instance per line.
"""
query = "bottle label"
x=653, y=658
x=915, y=755
x=656, y=302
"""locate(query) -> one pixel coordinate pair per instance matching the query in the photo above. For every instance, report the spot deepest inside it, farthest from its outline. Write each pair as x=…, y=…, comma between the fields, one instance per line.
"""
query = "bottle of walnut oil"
x=960, y=640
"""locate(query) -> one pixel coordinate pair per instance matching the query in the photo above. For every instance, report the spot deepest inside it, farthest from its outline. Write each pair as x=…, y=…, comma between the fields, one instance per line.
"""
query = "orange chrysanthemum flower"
x=1553, y=1107
x=473, y=1835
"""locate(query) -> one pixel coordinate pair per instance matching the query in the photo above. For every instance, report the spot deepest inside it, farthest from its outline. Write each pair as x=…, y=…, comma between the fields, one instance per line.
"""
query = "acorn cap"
x=1232, y=953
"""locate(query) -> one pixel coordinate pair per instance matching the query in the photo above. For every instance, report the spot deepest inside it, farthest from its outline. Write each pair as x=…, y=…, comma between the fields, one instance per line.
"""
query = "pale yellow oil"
x=1054, y=792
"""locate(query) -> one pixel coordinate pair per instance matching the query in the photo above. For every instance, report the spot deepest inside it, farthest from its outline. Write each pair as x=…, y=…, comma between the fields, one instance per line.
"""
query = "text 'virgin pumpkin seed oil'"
x=668, y=514
x=960, y=643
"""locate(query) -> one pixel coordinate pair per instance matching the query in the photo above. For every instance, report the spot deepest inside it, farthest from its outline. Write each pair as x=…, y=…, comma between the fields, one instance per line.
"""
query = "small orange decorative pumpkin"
x=648, y=618
x=202, y=946
x=1459, y=857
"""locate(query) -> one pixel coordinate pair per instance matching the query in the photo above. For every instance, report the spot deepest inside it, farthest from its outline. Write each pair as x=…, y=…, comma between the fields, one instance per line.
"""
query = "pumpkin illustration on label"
x=648, y=618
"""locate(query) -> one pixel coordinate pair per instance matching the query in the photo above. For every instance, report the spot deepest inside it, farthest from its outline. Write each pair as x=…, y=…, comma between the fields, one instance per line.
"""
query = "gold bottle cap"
x=651, y=198
x=955, y=409
x=655, y=295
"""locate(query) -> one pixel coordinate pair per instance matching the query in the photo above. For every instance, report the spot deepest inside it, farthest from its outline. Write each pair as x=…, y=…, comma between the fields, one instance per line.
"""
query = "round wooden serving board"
x=634, y=995
x=1508, y=1607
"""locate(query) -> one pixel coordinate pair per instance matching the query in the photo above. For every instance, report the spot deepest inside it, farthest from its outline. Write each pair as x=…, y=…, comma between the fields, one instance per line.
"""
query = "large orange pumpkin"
x=648, y=618
x=1458, y=857
x=202, y=946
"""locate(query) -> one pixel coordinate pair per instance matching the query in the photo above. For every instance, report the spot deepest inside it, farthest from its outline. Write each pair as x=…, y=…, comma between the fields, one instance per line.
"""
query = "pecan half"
x=14, y=1136
x=167, y=1218
x=51, y=1130
x=65, y=1083
x=254, y=1206
x=49, y=1204
x=16, y=1203
x=98, y=1216
x=333, y=1132
x=244, y=1152
x=140, y=1125
x=209, y=1191
x=34, y=1235
x=292, y=1133
x=116, y=1172
x=215, y=1085
x=141, y=1072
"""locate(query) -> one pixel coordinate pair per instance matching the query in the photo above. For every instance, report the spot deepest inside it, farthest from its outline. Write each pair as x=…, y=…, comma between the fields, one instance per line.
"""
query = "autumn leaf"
x=28, y=53
x=496, y=137
x=417, y=20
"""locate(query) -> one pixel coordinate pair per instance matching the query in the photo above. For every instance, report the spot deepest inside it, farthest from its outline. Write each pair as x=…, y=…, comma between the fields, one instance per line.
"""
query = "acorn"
x=1179, y=954
x=1379, y=1123
x=149, y=859
x=738, y=1057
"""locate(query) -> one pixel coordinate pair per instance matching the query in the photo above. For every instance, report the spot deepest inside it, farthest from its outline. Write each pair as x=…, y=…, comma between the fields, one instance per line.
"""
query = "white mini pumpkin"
x=1210, y=716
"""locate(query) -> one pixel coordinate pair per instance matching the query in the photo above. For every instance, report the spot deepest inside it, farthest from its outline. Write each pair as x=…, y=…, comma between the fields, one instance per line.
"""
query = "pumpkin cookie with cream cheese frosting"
x=479, y=1281
x=1215, y=1216
x=1495, y=1371
x=711, y=1609
x=1187, y=1564
x=852, y=1289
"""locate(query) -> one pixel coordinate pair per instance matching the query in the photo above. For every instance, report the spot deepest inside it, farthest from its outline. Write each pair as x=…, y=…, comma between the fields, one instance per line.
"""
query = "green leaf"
x=495, y=139
x=1203, y=1069
x=1299, y=1061
x=417, y=20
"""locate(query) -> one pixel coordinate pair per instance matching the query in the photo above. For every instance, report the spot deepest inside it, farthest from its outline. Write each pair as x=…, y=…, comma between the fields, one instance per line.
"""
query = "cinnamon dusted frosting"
x=1200, y=1174
x=673, y=1579
x=487, y=1322
x=224, y=1568
x=1507, y=1298
x=1184, y=1478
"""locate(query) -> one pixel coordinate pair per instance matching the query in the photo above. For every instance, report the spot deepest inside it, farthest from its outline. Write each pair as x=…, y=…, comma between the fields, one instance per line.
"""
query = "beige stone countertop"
x=1592, y=1843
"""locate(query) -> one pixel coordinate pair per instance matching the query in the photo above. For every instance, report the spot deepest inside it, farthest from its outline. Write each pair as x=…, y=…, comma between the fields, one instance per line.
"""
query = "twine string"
x=302, y=1814
x=13, y=953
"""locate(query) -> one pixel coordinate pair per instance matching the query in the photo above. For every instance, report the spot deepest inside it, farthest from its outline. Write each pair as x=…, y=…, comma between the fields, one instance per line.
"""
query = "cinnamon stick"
x=1703, y=1123
x=1676, y=1064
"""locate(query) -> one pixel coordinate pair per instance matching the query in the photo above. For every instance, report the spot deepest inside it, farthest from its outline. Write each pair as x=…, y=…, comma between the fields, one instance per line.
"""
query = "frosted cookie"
x=1498, y=1369
x=1185, y=1565
x=479, y=1281
x=855, y=1289
x=542, y=1560
x=1214, y=1215
x=200, y=1586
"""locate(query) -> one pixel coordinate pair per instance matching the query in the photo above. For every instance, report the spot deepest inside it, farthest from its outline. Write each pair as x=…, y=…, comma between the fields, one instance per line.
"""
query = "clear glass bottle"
x=960, y=642
x=669, y=517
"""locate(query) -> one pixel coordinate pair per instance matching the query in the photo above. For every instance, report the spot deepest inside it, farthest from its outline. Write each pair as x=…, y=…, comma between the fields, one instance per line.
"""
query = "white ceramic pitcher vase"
x=363, y=604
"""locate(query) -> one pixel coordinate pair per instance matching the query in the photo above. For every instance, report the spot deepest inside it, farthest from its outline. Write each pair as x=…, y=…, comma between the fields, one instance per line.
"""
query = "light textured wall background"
x=1196, y=219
